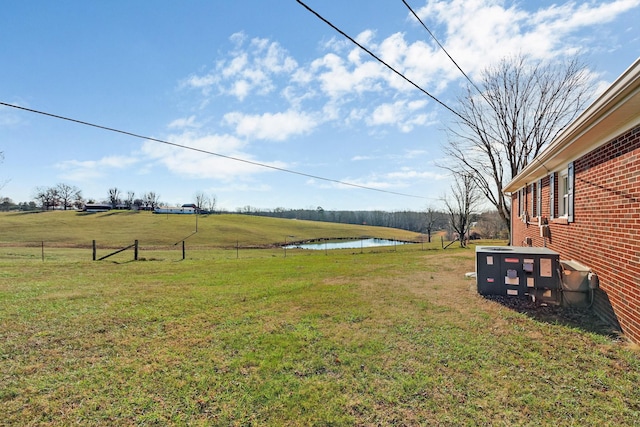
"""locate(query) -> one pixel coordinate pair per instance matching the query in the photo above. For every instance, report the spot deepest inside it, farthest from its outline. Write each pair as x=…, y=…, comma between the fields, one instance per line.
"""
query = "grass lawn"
x=382, y=337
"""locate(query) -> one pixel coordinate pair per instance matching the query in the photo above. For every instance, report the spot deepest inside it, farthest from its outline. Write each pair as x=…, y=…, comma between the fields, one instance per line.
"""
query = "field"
x=384, y=336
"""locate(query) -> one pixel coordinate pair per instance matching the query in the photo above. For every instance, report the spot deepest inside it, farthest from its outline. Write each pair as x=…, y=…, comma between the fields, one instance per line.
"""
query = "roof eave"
x=614, y=111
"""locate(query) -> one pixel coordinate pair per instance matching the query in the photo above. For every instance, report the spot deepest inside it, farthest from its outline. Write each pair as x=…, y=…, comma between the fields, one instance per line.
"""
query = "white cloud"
x=411, y=174
x=249, y=69
x=389, y=181
x=480, y=32
x=208, y=157
x=338, y=77
x=405, y=115
x=407, y=154
x=82, y=171
x=185, y=122
x=346, y=87
x=271, y=126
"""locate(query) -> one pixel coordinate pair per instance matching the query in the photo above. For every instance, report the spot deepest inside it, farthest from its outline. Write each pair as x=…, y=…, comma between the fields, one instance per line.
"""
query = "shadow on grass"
x=27, y=212
x=574, y=317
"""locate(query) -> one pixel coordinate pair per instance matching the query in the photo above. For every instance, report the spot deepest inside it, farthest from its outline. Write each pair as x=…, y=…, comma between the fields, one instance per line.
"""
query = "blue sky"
x=266, y=81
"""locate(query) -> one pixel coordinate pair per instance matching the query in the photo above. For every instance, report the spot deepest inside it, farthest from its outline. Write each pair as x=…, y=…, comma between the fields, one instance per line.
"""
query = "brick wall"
x=605, y=234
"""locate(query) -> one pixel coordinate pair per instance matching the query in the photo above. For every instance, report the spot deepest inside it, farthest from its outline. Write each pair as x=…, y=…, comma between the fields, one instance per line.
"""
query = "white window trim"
x=552, y=195
x=532, y=200
x=563, y=194
x=539, y=198
x=564, y=199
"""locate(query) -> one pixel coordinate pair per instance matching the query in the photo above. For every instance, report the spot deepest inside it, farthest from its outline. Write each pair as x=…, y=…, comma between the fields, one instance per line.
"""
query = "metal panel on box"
x=518, y=271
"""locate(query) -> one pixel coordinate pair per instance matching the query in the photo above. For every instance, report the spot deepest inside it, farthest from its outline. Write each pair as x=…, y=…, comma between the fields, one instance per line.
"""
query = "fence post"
x=183, y=250
x=43, y=250
x=94, y=250
x=135, y=251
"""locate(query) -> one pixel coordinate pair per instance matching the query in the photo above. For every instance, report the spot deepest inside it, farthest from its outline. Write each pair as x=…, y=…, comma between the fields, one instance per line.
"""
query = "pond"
x=347, y=244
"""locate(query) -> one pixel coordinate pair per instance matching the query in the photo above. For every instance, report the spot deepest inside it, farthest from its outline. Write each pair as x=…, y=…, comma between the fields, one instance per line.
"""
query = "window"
x=519, y=203
x=564, y=199
x=532, y=201
x=570, y=191
x=563, y=194
x=539, y=198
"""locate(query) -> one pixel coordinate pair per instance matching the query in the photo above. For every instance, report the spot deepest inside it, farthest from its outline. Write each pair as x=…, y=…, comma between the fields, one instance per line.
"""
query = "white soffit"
x=614, y=112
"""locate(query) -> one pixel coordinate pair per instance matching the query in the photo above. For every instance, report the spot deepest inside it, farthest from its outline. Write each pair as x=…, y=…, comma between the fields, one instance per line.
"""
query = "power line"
x=445, y=51
x=186, y=147
x=442, y=47
x=351, y=39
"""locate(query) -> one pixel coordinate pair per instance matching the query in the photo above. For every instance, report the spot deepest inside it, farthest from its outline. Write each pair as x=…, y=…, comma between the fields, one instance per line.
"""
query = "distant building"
x=96, y=207
x=175, y=210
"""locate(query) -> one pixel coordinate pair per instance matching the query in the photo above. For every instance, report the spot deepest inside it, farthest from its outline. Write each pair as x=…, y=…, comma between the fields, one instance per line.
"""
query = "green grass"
x=120, y=228
x=384, y=337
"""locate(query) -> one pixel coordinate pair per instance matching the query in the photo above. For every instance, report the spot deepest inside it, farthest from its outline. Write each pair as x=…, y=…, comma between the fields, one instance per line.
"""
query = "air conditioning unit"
x=519, y=271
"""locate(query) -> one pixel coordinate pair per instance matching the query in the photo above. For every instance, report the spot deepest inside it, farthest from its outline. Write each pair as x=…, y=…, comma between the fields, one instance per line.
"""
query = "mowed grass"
x=120, y=228
x=383, y=337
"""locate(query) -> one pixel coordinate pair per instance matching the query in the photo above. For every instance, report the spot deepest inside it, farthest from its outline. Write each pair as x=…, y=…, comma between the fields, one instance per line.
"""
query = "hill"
x=118, y=228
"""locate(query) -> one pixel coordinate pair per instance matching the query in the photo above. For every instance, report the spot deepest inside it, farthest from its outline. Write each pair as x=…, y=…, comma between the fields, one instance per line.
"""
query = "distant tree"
x=248, y=209
x=201, y=201
x=68, y=195
x=430, y=221
x=151, y=200
x=114, y=197
x=213, y=203
x=27, y=206
x=490, y=226
x=47, y=196
x=461, y=203
x=138, y=203
x=5, y=204
x=128, y=202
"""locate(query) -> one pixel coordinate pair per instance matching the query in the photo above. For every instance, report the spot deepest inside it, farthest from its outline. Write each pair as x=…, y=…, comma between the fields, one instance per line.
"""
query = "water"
x=347, y=244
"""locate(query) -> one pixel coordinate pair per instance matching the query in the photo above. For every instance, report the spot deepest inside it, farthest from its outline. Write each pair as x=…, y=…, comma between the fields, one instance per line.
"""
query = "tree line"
x=64, y=197
x=487, y=225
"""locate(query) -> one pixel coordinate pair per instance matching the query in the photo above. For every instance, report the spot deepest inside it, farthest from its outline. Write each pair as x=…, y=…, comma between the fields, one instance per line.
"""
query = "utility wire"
x=444, y=50
x=186, y=147
x=351, y=39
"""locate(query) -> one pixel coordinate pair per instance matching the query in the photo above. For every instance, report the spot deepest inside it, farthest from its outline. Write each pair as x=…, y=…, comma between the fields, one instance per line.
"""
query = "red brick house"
x=581, y=198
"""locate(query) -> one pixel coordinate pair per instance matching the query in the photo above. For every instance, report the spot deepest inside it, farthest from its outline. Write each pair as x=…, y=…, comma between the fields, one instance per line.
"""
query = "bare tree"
x=461, y=203
x=524, y=105
x=201, y=201
x=114, y=197
x=429, y=222
x=128, y=202
x=213, y=201
x=47, y=196
x=151, y=200
x=68, y=195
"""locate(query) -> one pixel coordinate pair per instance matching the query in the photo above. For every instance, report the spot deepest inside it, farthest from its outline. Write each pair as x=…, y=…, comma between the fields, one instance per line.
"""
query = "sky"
x=267, y=82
